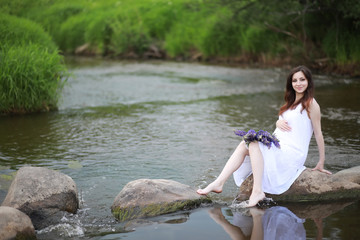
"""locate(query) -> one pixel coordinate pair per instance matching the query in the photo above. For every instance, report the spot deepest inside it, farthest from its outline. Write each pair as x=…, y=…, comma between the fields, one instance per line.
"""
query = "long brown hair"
x=290, y=94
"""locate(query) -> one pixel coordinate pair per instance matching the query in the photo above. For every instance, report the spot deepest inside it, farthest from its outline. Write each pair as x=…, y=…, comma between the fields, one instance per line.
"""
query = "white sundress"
x=283, y=166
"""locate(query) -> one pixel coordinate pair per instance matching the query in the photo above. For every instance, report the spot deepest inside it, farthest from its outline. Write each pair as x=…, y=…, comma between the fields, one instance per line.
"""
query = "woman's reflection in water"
x=273, y=223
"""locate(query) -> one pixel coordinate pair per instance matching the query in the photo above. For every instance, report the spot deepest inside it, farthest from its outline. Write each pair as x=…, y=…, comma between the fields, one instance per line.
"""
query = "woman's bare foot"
x=255, y=198
x=216, y=215
x=212, y=187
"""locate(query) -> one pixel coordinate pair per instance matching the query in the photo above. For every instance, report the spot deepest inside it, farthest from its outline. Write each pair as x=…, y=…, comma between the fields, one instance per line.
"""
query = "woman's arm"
x=315, y=117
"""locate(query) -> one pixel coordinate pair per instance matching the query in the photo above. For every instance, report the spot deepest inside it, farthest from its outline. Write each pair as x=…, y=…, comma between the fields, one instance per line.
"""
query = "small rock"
x=15, y=224
x=153, y=52
x=147, y=198
x=82, y=49
x=41, y=193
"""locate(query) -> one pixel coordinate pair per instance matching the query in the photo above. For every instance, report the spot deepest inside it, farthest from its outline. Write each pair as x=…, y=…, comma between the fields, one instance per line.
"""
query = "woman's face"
x=299, y=82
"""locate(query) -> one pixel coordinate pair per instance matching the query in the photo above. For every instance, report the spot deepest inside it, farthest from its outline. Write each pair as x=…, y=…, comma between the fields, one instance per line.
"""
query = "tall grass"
x=30, y=79
x=342, y=46
x=53, y=17
x=31, y=70
x=19, y=31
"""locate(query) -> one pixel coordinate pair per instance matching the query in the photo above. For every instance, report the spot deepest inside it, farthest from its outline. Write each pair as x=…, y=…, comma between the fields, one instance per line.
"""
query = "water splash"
x=266, y=202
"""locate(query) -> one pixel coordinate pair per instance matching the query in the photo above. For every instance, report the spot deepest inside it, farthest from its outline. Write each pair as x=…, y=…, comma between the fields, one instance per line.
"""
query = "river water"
x=122, y=121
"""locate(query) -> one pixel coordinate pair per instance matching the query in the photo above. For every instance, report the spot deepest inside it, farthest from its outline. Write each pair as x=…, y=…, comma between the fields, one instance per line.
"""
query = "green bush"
x=20, y=7
x=222, y=35
x=54, y=16
x=257, y=39
x=180, y=39
x=159, y=18
x=30, y=77
x=98, y=33
x=74, y=24
x=186, y=34
x=14, y=31
x=72, y=32
x=31, y=70
x=128, y=37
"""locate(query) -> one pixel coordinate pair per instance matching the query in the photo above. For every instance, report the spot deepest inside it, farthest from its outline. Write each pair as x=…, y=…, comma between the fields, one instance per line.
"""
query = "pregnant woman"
x=275, y=169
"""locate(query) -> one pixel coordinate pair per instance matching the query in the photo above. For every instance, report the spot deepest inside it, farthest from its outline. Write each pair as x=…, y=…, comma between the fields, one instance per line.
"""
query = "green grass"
x=343, y=46
x=53, y=17
x=30, y=78
x=31, y=70
x=19, y=31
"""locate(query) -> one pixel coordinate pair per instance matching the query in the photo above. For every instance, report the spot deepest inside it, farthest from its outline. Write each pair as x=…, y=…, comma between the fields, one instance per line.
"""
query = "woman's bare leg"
x=257, y=165
x=234, y=162
x=258, y=230
x=234, y=232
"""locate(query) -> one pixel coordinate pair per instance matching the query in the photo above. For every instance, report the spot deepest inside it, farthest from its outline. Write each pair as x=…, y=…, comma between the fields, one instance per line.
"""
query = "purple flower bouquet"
x=261, y=136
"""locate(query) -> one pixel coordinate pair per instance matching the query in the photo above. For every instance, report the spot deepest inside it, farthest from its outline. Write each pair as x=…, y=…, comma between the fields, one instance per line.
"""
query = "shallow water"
x=121, y=121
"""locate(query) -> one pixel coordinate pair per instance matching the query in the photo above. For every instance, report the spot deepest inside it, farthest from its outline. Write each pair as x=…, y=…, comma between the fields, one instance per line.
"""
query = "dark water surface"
x=121, y=121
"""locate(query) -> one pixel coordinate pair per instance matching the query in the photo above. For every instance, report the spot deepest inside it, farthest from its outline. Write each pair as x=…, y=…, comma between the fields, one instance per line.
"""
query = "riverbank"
x=258, y=33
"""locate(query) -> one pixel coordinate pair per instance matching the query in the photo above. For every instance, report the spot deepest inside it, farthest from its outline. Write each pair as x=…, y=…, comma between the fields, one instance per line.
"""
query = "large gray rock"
x=41, y=193
x=315, y=186
x=15, y=224
x=147, y=198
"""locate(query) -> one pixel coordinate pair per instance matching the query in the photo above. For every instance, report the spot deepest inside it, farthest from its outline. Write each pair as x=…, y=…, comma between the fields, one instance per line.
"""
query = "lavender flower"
x=261, y=136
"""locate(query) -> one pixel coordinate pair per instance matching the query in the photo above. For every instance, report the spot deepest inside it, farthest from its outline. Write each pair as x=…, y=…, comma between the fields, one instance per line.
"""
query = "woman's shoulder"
x=314, y=107
x=314, y=104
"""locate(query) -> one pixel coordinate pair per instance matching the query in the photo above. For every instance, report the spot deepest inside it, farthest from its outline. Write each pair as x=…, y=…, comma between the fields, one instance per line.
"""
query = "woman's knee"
x=242, y=144
x=254, y=146
x=243, y=147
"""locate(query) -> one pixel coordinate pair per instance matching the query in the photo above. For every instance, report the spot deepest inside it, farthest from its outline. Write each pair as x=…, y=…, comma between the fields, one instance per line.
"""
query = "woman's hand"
x=320, y=167
x=283, y=125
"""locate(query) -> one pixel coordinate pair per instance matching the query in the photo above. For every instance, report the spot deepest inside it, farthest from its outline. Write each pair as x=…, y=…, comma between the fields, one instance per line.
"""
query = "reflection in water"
x=273, y=223
x=281, y=223
x=240, y=231
x=278, y=222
